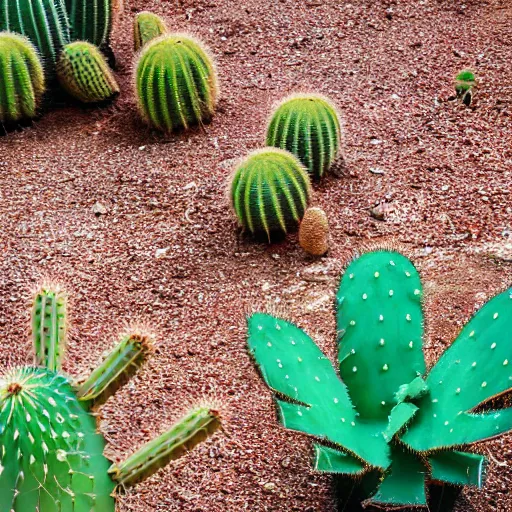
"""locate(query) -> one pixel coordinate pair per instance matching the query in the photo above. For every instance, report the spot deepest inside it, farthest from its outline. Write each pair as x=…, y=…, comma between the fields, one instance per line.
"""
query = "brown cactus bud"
x=314, y=232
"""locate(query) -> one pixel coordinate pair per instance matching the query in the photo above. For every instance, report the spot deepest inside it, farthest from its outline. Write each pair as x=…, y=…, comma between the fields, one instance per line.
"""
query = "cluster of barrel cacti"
x=51, y=456
x=386, y=423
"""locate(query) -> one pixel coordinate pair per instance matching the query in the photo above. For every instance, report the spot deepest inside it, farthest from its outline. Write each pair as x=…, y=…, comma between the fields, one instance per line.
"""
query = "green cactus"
x=51, y=454
x=386, y=417
x=465, y=83
x=91, y=20
x=175, y=82
x=22, y=76
x=269, y=192
x=307, y=125
x=146, y=27
x=84, y=74
x=43, y=22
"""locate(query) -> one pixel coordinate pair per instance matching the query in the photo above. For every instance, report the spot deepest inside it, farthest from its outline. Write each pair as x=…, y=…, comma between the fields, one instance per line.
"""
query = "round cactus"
x=84, y=73
x=176, y=83
x=308, y=125
x=464, y=84
x=314, y=232
x=22, y=77
x=91, y=20
x=44, y=22
x=146, y=27
x=270, y=191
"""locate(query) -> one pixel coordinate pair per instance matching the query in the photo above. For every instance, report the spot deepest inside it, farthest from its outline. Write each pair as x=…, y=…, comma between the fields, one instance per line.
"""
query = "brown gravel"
x=162, y=248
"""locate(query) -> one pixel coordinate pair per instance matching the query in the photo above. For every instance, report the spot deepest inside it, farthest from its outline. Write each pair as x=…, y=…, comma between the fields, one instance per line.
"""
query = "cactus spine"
x=91, y=20
x=84, y=73
x=269, y=192
x=44, y=22
x=22, y=77
x=176, y=83
x=146, y=27
x=314, y=232
x=307, y=125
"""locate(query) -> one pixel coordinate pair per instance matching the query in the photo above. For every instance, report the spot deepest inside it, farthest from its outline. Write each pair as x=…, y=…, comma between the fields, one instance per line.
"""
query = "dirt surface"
x=166, y=250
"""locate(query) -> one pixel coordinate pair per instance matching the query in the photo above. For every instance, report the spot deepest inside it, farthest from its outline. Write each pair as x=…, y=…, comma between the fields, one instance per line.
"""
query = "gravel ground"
x=164, y=250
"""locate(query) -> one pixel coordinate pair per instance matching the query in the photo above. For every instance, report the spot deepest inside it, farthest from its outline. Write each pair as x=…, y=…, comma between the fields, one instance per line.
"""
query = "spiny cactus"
x=91, y=20
x=44, y=22
x=51, y=454
x=22, y=78
x=314, y=232
x=464, y=85
x=176, y=83
x=84, y=73
x=269, y=192
x=307, y=125
x=146, y=27
x=387, y=424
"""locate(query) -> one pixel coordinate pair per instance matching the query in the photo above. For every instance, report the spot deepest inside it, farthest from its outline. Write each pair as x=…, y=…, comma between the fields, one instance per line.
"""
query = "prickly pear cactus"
x=91, y=20
x=44, y=22
x=146, y=27
x=22, y=76
x=84, y=74
x=386, y=425
x=307, y=125
x=269, y=192
x=51, y=454
x=176, y=83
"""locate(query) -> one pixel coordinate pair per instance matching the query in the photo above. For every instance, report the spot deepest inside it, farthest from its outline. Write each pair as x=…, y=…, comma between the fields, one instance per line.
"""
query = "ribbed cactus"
x=269, y=192
x=84, y=73
x=385, y=424
x=51, y=455
x=22, y=78
x=91, y=20
x=146, y=27
x=464, y=85
x=44, y=22
x=307, y=125
x=314, y=232
x=176, y=83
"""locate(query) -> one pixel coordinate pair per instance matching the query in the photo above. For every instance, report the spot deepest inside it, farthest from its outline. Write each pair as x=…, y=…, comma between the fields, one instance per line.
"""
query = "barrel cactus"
x=314, y=232
x=52, y=453
x=44, y=22
x=146, y=27
x=175, y=82
x=91, y=20
x=464, y=85
x=386, y=423
x=84, y=73
x=269, y=192
x=22, y=76
x=307, y=125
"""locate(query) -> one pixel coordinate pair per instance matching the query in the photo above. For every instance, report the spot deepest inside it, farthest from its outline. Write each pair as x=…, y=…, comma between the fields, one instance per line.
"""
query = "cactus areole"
x=387, y=415
x=51, y=452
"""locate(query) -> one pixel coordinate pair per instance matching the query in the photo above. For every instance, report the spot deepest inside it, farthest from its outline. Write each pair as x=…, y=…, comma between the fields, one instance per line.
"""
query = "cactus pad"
x=22, y=76
x=405, y=425
x=307, y=125
x=176, y=83
x=269, y=192
x=91, y=20
x=146, y=27
x=84, y=73
x=44, y=22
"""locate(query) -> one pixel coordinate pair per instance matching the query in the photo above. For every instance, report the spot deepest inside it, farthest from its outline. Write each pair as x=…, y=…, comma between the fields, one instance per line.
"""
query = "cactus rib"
x=91, y=20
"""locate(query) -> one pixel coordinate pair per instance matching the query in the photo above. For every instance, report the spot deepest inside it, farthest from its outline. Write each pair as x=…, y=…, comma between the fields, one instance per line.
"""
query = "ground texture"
x=162, y=247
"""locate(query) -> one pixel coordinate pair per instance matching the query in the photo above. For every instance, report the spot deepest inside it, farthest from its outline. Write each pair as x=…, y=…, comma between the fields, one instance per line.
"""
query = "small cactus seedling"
x=307, y=125
x=91, y=20
x=464, y=85
x=146, y=27
x=84, y=73
x=51, y=454
x=387, y=422
x=44, y=22
x=22, y=78
x=269, y=192
x=176, y=83
x=314, y=232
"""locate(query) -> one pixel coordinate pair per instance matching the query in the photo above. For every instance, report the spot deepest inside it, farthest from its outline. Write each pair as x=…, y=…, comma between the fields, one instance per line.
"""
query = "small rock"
x=99, y=209
x=377, y=170
x=269, y=486
x=381, y=211
x=160, y=252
